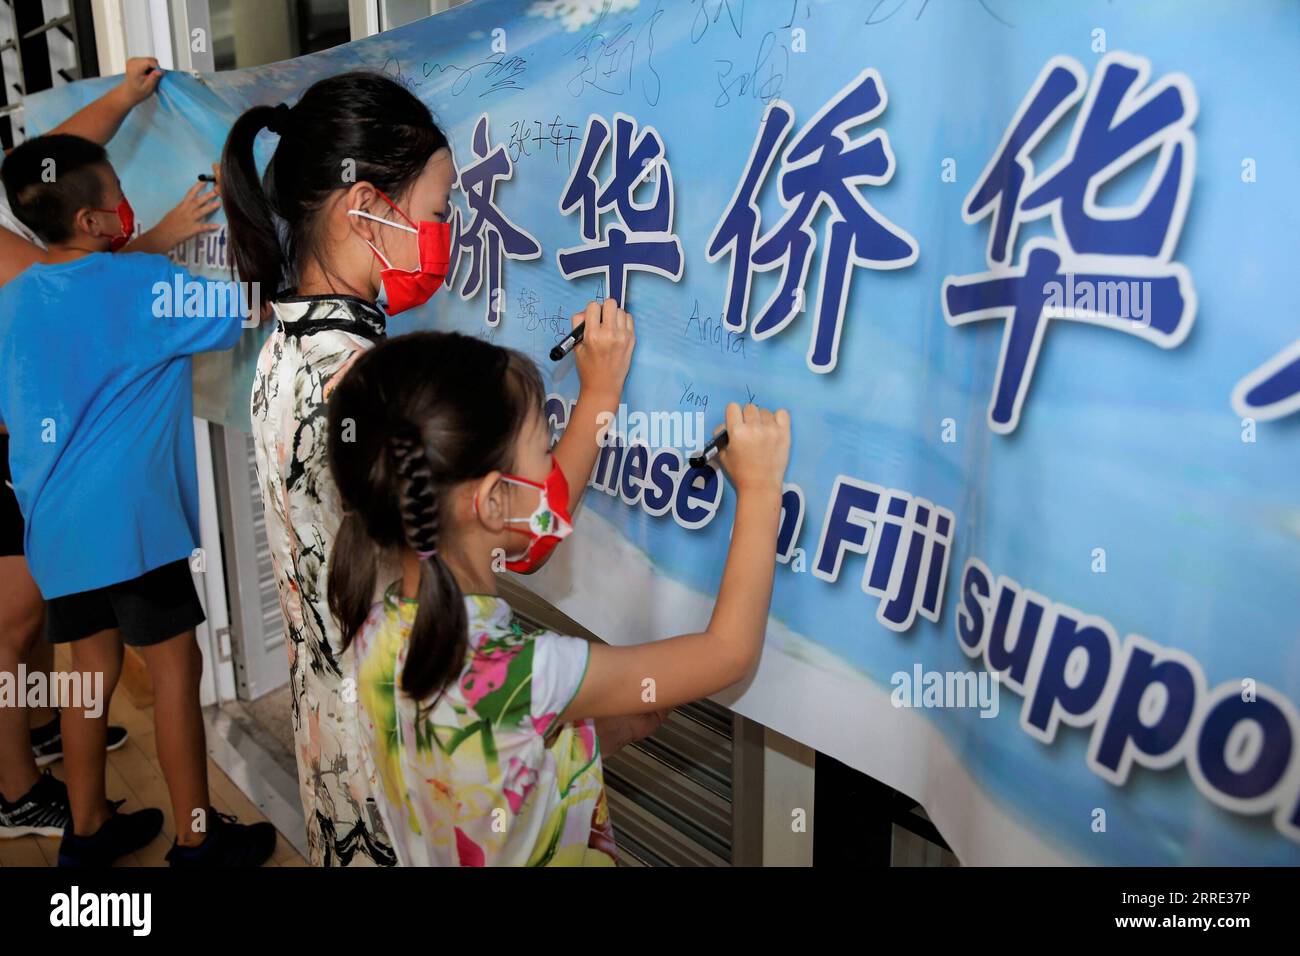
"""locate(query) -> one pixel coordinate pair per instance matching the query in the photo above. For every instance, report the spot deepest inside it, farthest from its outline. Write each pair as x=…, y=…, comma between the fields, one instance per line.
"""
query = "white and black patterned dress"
x=315, y=340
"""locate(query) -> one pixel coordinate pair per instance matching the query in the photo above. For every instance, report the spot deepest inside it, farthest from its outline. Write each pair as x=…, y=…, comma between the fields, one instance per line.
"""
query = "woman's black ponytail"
x=350, y=128
x=413, y=418
x=258, y=256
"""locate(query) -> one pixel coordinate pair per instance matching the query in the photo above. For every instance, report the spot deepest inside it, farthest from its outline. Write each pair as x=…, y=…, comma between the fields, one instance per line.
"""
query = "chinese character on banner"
x=1273, y=389
x=489, y=236
x=1104, y=265
x=643, y=240
x=822, y=166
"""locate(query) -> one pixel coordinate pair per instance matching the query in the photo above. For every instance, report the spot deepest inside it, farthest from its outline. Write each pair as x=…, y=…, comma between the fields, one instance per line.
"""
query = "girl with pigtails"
x=479, y=730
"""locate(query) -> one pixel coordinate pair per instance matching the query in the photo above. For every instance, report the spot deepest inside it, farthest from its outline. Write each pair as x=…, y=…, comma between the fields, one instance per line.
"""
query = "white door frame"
x=213, y=635
x=257, y=625
x=363, y=18
x=368, y=17
x=157, y=28
x=187, y=17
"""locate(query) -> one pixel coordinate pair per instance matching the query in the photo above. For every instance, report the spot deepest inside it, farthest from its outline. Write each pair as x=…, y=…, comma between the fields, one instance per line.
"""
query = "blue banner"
x=1017, y=268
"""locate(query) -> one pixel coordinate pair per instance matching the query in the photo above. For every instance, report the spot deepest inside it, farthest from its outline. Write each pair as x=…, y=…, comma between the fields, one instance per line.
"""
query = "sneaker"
x=228, y=843
x=47, y=742
x=122, y=833
x=41, y=811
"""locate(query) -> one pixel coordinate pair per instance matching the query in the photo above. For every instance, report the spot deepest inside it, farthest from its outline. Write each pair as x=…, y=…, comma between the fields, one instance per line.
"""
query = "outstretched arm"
x=603, y=358
x=692, y=666
x=100, y=120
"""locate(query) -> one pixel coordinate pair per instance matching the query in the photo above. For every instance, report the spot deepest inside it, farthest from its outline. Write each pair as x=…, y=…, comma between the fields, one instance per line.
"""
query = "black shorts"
x=150, y=609
x=11, y=519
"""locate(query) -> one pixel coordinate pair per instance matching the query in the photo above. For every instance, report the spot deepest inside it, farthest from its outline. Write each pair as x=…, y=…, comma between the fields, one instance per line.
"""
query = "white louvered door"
x=257, y=626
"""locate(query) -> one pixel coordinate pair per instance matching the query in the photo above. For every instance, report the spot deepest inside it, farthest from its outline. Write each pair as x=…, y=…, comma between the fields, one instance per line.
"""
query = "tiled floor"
x=134, y=774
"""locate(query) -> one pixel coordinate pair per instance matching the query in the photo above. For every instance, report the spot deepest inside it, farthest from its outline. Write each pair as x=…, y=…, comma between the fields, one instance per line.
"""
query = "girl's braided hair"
x=409, y=421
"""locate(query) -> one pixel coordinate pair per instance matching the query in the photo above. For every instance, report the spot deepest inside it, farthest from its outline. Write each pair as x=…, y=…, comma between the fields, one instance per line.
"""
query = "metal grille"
x=43, y=43
x=670, y=795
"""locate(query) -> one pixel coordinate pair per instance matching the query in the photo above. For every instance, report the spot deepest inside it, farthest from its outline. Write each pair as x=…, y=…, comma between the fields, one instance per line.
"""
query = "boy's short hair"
x=49, y=178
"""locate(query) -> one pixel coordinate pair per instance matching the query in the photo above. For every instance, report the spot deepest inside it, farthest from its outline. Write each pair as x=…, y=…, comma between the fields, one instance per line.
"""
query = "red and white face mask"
x=402, y=289
x=126, y=218
x=549, y=522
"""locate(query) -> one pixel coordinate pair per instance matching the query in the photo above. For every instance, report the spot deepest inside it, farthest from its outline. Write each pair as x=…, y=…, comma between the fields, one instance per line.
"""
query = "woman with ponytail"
x=481, y=731
x=349, y=222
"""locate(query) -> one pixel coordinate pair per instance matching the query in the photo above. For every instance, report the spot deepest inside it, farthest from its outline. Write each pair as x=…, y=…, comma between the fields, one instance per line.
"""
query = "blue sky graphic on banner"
x=1019, y=272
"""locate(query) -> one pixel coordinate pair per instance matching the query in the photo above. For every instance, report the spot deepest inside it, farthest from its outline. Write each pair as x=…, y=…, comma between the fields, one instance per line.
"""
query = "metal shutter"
x=670, y=795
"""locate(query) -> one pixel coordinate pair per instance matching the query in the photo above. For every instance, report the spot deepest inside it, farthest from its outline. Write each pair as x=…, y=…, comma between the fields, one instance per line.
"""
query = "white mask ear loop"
x=541, y=493
x=387, y=222
x=528, y=520
x=541, y=496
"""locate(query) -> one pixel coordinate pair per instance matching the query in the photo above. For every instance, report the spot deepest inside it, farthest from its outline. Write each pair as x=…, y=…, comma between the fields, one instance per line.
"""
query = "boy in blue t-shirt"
x=95, y=369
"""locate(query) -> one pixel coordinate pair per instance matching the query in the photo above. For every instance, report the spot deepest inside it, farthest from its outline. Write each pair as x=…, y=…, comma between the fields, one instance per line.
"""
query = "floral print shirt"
x=315, y=340
x=483, y=775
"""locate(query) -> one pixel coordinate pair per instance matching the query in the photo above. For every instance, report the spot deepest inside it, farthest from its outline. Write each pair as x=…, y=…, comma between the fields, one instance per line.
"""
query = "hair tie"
x=426, y=555
x=279, y=119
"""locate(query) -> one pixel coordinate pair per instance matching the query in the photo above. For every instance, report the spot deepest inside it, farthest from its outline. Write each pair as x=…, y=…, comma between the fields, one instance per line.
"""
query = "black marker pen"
x=710, y=452
x=567, y=344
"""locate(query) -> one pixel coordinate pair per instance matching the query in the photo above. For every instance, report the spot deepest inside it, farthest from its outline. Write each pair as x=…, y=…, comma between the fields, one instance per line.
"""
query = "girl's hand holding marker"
x=757, y=449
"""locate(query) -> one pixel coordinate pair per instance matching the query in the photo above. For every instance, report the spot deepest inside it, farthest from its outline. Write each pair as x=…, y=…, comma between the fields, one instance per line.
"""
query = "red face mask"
x=549, y=523
x=125, y=216
x=402, y=289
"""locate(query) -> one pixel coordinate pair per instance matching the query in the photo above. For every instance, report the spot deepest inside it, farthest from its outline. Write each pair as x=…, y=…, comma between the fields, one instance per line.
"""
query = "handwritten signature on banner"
x=762, y=77
x=618, y=62
x=499, y=73
x=884, y=10
x=530, y=138
x=495, y=73
x=762, y=80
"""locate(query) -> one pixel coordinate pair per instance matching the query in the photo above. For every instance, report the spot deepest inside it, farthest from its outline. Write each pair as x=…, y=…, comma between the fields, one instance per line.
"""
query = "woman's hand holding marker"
x=604, y=355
